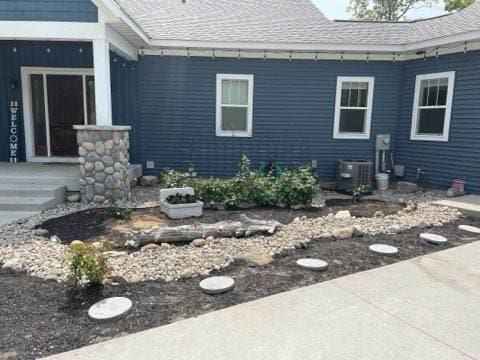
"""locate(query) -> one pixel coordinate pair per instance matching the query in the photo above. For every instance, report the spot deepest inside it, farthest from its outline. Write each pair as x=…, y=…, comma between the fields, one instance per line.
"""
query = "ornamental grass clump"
x=86, y=264
x=270, y=185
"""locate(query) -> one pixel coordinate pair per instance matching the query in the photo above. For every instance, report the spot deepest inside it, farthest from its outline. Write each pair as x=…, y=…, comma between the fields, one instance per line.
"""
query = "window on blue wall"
x=234, y=105
x=432, y=106
x=353, y=108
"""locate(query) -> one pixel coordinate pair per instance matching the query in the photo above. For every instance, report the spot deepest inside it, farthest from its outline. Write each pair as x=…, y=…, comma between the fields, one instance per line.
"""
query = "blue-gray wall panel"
x=460, y=157
x=14, y=55
x=48, y=10
x=292, y=116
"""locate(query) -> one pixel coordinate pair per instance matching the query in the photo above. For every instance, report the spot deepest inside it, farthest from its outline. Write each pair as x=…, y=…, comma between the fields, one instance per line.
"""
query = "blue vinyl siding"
x=124, y=97
x=14, y=55
x=460, y=156
x=293, y=112
x=48, y=10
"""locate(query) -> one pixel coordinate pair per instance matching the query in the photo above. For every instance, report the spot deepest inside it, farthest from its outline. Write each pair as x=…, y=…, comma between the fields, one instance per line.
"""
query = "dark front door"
x=65, y=108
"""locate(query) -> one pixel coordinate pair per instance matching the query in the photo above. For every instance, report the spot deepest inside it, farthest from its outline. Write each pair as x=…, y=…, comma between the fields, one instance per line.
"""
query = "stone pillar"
x=104, y=161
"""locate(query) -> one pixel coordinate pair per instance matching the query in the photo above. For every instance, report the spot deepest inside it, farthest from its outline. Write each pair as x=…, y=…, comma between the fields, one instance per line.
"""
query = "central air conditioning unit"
x=352, y=174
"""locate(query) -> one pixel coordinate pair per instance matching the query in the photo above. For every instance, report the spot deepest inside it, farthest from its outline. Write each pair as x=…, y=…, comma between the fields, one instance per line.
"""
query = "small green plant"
x=119, y=213
x=86, y=264
x=181, y=199
x=358, y=193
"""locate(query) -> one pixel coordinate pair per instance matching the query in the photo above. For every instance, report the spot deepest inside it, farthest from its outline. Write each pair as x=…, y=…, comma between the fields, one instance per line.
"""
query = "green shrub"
x=120, y=213
x=269, y=186
x=85, y=264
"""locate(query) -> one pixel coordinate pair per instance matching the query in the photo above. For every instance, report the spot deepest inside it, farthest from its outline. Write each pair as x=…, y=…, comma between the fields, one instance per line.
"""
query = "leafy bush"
x=268, y=186
x=85, y=264
x=120, y=213
x=358, y=192
x=181, y=199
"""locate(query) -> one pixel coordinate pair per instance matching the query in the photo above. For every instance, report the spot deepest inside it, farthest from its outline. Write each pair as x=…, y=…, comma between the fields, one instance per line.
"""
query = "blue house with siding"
x=201, y=81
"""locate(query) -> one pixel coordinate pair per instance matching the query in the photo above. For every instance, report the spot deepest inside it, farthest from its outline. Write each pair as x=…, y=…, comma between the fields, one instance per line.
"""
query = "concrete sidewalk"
x=424, y=308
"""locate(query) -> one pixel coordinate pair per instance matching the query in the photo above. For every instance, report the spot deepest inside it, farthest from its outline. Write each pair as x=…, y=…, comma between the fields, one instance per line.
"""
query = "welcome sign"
x=13, y=132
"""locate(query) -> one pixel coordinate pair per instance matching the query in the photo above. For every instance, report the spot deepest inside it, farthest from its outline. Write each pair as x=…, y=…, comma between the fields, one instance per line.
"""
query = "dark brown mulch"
x=89, y=224
x=39, y=318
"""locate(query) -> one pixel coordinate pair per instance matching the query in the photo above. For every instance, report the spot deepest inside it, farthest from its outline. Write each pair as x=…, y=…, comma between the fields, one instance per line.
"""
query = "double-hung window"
x=234, y=105
x=353, y=108
x=432, y=106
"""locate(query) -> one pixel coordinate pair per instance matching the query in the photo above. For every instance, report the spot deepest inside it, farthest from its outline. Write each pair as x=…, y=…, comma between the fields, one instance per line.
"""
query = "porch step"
x=27, y=203
x=11, y=216
x=34, y=190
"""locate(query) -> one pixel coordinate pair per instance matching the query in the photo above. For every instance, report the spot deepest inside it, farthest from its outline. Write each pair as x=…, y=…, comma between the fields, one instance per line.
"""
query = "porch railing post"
x=103, y=91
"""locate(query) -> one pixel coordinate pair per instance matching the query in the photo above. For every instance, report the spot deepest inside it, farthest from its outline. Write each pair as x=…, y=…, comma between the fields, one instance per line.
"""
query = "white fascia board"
x=49, y=30
x=112, y=11
x=120, y=44
x=360, y=48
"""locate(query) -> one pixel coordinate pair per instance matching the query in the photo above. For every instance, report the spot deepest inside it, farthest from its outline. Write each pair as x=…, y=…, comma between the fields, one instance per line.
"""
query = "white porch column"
x=103, y=90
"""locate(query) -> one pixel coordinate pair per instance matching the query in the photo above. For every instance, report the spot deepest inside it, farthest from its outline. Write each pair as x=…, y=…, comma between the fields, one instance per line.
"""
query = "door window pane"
x=38, y=114
x=91, y=114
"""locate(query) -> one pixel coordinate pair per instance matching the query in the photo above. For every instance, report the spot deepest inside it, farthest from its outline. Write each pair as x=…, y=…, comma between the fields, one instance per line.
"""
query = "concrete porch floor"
x=41, y=173
x=468, y=205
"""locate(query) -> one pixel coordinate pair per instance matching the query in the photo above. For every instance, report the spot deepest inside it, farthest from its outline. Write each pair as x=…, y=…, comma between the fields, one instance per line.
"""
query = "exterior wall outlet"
x=314, y=164
x=150, y=164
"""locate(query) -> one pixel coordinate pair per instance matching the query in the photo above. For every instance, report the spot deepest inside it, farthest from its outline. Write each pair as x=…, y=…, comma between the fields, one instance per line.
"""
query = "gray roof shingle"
x=282, y=21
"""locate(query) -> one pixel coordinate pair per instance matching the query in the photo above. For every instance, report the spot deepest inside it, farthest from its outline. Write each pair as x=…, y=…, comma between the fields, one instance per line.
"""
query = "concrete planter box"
x=179, y=211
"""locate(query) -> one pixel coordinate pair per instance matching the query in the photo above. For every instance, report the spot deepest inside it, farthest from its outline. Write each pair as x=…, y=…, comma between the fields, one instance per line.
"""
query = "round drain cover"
x=110, y=309
x=313, y=264
x=217, y=285
x=383, y=249
x=433, y=239
x=469, y=228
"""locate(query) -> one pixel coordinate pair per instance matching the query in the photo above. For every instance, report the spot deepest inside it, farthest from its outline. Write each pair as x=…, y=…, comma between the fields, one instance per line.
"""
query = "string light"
x=188, y=53
x=316, y=55
x=213, y=54
x=436, y=52
x=80, y=50
x=341, y=56
x=264, y=55
x=239, y=54
x=14, y=49
x=290, y=56
x=48, y=50
x=368, y=57
x=424, y=55
x=465, y=48
x=394, y=57
x=161, y=52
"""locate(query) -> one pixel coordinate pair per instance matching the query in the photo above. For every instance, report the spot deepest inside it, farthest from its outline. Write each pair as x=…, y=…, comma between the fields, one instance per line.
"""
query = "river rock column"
x=104, y=161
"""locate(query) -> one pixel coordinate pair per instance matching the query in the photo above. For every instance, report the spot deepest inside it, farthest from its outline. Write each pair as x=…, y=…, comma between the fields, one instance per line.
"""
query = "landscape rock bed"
x=60, y=316
x=45, y=259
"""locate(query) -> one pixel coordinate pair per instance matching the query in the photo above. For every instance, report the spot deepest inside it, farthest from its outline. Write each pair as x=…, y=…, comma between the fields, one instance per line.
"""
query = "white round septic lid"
x=469, y=228
x=313, y=264
x=217, y=285
x=110, y=309
x=383, y=249
x=433, y=238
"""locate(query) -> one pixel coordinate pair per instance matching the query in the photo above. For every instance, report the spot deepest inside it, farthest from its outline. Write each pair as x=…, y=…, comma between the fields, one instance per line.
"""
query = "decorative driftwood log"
x=244, y=227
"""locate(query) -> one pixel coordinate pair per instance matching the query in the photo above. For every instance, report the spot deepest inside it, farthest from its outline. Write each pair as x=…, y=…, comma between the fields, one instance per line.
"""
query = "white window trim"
x=368, y=118
x=28, y=112
x=218, y=122
x=450, y=75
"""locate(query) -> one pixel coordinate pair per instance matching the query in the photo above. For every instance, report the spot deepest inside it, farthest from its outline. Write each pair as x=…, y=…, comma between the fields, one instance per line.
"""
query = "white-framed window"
x=234, y=105
x=353, y=107
x=432, y=106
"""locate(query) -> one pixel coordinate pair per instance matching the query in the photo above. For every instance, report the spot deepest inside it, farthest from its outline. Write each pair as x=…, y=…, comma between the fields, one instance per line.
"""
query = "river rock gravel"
x=44, y=258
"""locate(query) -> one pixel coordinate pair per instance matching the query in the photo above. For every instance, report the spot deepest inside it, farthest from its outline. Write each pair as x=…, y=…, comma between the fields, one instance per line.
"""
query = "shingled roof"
x=282, y=21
